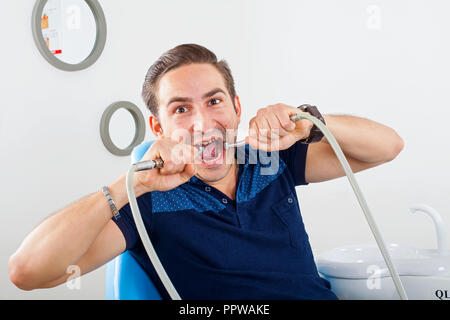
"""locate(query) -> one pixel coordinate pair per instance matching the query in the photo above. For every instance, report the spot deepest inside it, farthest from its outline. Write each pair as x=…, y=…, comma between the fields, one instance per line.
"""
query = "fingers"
x=262, y=139
x=175, y=155
x=285, y=120
x=272, y=126
x=178, y=166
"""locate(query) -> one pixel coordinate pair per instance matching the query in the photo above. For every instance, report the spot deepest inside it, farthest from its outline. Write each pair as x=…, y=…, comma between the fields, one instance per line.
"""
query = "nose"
x=202, y=121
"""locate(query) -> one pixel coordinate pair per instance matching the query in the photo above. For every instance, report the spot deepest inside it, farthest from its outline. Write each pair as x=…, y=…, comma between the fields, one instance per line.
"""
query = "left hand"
x=272, y=129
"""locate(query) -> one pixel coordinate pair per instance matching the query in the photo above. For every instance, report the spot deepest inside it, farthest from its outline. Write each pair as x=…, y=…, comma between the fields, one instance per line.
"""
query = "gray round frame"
x=139, y=121
x=99, y=44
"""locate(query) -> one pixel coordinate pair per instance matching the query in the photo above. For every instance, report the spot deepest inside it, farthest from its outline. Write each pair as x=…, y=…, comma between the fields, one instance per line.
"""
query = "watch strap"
x=315, y=134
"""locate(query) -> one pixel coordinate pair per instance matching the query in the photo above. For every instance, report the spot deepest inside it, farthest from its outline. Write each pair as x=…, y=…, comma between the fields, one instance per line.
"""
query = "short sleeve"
x=125, y=220
x=295, y=159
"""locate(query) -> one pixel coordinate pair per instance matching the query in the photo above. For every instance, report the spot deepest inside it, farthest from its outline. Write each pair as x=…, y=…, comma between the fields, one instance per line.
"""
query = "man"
x=222, y=228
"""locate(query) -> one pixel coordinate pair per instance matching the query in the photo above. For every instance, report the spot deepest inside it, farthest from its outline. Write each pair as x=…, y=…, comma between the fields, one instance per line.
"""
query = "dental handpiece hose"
x=362, y=202
x=158, y=163
x=140, y=166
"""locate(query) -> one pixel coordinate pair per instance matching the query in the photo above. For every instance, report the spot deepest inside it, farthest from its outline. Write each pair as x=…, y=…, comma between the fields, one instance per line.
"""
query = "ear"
x=155, y=126
x=237, y=107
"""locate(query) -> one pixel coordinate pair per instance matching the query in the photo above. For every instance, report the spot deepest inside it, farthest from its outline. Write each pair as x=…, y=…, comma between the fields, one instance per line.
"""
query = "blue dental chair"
x=125, y=278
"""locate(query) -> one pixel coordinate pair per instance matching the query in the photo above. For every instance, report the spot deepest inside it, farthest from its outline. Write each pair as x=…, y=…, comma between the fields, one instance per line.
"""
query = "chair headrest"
x=140, y=150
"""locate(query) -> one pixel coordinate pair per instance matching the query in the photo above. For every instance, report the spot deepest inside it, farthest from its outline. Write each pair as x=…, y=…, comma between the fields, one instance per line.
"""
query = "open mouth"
x=211, y=151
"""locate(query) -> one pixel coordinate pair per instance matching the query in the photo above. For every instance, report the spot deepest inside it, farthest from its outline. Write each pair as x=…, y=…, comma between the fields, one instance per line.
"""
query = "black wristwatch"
x=315, y=135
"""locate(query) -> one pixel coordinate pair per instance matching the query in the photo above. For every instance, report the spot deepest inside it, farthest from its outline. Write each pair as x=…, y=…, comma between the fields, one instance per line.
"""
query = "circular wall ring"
x=99, y=44
x=138, y=120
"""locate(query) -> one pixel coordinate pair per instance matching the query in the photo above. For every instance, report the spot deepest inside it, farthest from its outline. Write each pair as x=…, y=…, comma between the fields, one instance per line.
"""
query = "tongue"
x=209, y=151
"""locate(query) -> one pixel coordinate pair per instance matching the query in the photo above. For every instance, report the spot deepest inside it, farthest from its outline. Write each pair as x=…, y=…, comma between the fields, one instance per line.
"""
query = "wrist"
x=140, y=189
x=118, y=190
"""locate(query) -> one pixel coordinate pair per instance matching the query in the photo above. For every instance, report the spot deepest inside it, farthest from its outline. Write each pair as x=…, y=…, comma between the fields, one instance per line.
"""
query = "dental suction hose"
x=351, y=177
x=140, y=166
x=158, y=163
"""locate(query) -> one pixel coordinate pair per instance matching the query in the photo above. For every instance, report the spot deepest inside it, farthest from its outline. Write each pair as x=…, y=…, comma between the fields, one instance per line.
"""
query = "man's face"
x=196, y=108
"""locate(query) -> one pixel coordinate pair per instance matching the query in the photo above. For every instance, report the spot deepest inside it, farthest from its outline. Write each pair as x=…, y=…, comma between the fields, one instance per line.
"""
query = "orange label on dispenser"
x=44, y=21
x=52, y=26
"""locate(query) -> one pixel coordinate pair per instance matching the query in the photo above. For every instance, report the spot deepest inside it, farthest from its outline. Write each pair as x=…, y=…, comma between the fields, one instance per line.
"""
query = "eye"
x=214, y=101
x=181, y=109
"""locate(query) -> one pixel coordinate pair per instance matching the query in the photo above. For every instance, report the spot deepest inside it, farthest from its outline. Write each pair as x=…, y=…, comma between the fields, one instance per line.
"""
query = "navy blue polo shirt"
x=213, y=247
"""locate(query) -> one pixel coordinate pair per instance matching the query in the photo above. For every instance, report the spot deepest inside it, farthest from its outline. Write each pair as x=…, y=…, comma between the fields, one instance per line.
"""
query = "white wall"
x=329, y=53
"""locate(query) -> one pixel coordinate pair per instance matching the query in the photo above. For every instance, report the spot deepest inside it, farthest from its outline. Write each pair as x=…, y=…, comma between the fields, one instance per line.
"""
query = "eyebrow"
x=186, y=99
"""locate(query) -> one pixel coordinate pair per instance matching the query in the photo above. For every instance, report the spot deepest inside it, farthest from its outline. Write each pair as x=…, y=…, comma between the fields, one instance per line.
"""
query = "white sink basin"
x=359, y=261
x=360, y=272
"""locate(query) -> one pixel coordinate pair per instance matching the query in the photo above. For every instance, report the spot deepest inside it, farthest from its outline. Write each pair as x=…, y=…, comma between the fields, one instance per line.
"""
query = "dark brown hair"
x=183, y=54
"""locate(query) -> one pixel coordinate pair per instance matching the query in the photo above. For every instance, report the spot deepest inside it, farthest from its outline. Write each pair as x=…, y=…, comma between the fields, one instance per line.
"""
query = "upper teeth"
x=208, y=142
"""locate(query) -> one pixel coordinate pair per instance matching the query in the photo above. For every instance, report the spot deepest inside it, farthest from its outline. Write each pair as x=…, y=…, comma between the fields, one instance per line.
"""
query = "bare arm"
x=364, y=142
x=109, y=243
x=81, y=234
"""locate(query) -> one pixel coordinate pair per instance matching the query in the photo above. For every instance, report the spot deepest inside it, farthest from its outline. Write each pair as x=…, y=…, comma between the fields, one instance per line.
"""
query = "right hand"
x=179, y=165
